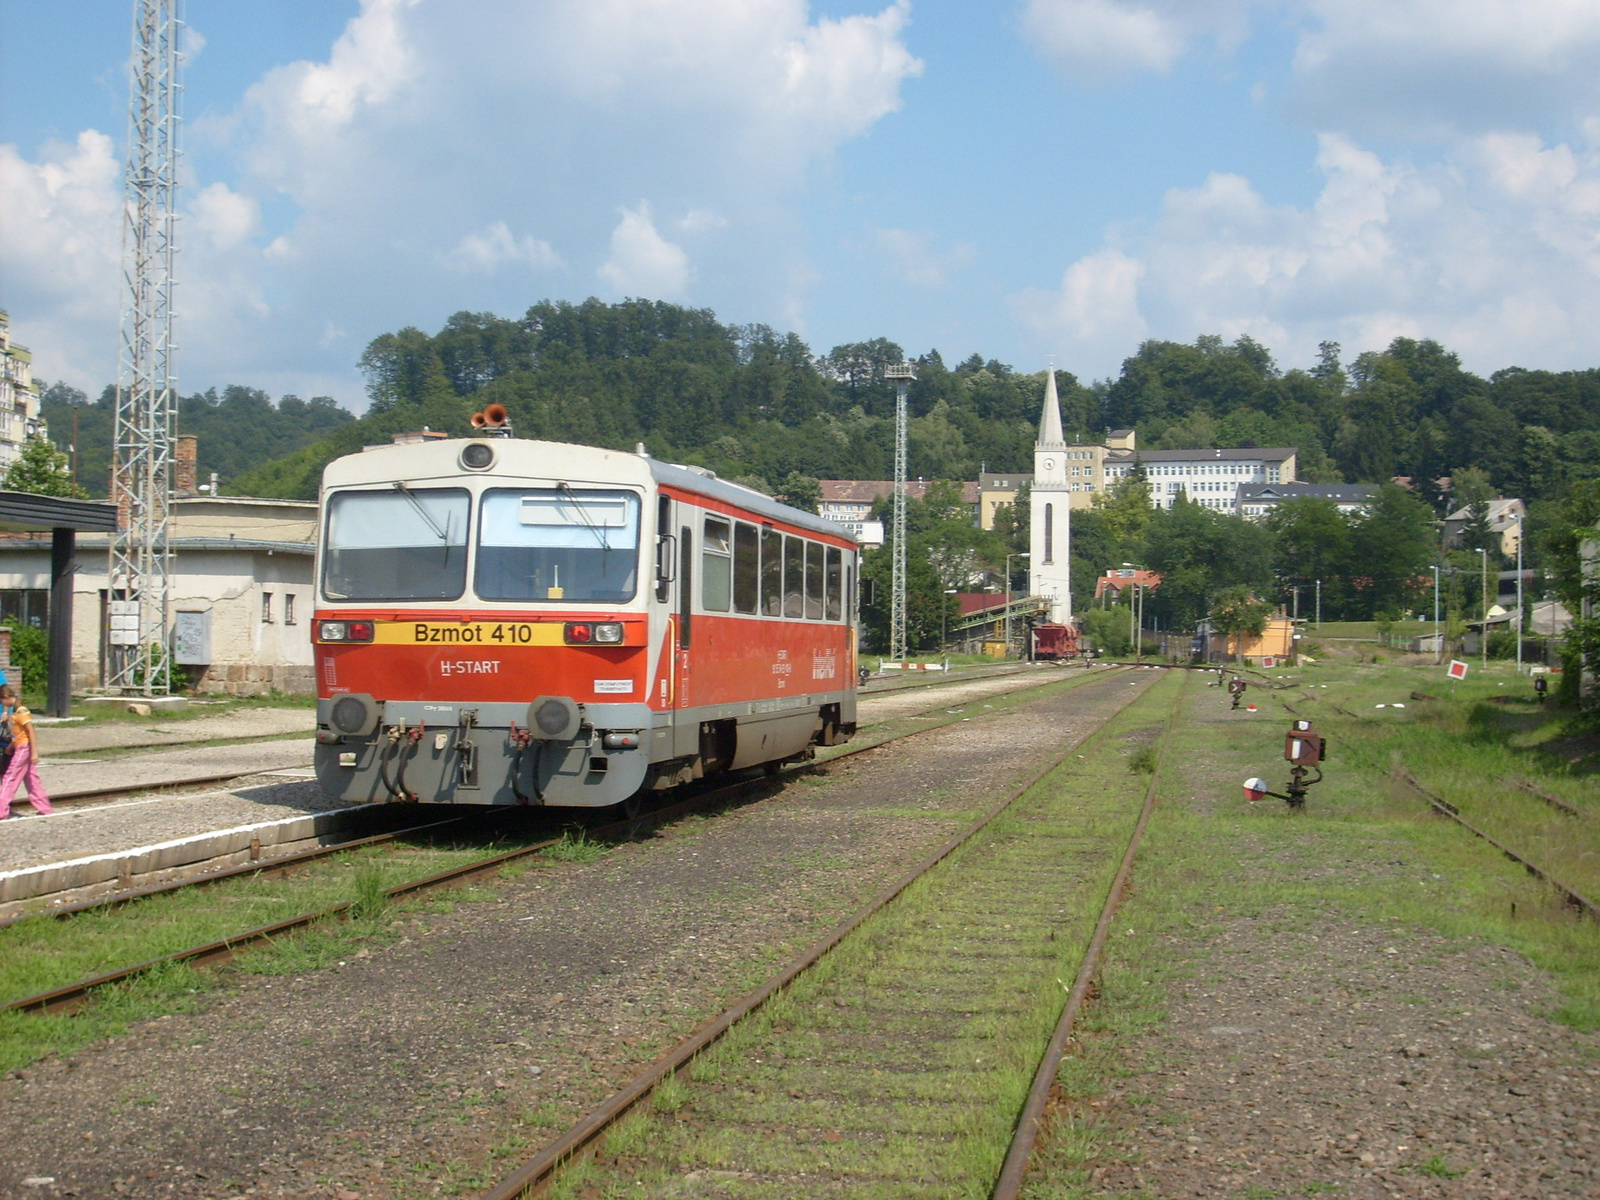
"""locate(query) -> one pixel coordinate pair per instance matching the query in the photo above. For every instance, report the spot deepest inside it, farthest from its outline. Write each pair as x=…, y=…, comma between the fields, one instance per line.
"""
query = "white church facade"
x=1050, y=542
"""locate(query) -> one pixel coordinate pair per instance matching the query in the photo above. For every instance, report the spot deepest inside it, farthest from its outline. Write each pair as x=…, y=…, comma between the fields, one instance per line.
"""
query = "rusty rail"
x=1571, y=895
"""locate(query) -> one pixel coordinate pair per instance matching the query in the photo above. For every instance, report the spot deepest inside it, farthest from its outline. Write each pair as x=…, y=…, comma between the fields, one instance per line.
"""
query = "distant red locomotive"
x=1051, y=641
x=508, y=621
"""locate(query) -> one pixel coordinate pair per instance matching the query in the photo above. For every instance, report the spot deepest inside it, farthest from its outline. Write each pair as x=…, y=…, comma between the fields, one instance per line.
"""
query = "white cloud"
x=426, y=117
x=487, y=251
x=1100, y=39
x=700, y=220
x=642, y=262
x=1095, y=311
x=1496, y=254
x=59, y=257
x=224, y=216
x=1440, y=68
x=1103, y=37
x=913, y=258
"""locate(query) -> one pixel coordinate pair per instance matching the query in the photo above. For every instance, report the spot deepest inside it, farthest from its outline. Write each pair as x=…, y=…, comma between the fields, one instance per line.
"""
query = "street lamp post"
x=1009, y=557
x=1519, y=594
x=1136, y=615
x=1483, y=631
x=1438, y=638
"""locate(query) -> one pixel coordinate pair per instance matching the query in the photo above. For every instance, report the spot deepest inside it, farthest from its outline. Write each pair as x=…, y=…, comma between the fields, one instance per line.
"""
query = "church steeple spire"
x=1050, y=419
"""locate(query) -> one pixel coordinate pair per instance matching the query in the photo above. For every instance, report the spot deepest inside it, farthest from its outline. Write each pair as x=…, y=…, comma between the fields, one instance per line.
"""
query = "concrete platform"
x=265, y=721
x=84, y=774
x=88, y=876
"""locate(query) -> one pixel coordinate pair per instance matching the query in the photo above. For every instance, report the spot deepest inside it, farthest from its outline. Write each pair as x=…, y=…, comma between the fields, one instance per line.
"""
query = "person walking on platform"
x=23, y=768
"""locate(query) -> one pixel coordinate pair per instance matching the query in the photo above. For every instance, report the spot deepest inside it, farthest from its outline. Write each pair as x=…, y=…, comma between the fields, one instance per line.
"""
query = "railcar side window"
x=746, y=568
x=794, y=576
x=835, y=606
x=813, y=581
x=397, y=543
x=771, y=573
x=716, y=565
x=558, y=544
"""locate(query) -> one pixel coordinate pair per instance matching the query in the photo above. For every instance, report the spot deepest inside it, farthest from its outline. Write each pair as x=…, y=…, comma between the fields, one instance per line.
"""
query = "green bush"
x=1502, y=644
x=30, y=655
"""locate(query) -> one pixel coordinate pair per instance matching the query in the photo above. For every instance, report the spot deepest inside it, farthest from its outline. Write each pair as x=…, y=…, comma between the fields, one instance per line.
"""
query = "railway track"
x=69, y=996
x=1570, y=895
x=895, y=1054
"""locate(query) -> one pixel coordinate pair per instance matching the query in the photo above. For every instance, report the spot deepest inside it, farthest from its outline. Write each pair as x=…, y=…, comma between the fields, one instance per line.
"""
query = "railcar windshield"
x=400, y=543
x=558, y=544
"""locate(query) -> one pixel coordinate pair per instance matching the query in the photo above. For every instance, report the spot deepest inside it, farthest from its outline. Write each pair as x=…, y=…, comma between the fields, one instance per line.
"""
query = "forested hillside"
x=758, y=405
x=238, y=430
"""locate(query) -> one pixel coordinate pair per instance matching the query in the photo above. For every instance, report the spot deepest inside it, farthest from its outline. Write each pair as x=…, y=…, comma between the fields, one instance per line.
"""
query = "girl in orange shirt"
x=23, y=768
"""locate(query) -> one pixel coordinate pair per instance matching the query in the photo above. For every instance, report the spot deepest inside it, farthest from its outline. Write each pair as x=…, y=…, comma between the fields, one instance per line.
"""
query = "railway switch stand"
x=1541, y=687
x=1236, y=689
x=1305, y=750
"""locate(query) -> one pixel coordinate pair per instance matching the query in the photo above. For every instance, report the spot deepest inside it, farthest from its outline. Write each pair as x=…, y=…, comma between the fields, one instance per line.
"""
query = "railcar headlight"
x=344, y=631
x=477, y=456
x=599, y=633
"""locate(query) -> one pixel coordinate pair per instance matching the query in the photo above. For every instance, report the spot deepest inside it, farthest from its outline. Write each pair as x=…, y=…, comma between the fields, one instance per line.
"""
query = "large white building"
x=1050, y=512
x=19, y=397
x=1210, y=478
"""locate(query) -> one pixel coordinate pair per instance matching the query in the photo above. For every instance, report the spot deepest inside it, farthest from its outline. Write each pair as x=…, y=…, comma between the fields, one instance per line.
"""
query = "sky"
x=1037, y=181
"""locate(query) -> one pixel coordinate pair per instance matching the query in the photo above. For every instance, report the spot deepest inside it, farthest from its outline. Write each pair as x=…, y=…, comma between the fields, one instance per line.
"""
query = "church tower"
x=1049, y=546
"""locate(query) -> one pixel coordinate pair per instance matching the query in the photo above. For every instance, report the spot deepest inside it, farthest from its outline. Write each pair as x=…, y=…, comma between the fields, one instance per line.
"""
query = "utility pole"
x=1519, y=624
x=139, y=653
x=902, y=374
x=1319, y=605
x=1439, y=636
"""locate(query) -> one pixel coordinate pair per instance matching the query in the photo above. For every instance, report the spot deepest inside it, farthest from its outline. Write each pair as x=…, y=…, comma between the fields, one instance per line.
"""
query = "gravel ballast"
x=397, y=1073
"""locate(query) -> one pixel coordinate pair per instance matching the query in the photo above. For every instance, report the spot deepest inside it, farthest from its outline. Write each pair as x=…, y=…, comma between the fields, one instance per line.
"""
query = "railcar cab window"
x=398, y=543
x=558, y=544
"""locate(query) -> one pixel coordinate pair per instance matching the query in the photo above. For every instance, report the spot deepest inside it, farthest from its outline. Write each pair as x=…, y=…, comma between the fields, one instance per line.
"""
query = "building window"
x=266, y=608
x=1049, y=535
x=288, y=608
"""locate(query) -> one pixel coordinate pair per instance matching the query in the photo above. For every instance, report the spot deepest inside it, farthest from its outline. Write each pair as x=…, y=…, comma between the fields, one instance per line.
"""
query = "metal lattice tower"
x=902, y=374
x=138, y=654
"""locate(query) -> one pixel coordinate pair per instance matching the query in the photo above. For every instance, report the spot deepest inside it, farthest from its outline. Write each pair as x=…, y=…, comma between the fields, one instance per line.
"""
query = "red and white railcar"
x=505, y=621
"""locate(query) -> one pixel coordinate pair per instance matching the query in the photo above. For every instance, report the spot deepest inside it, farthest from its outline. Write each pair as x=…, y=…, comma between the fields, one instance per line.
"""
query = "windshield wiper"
x=599, y=535
x=442, y=534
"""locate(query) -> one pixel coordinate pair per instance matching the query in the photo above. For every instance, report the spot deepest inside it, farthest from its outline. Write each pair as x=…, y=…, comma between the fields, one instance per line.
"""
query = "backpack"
x=6, y=744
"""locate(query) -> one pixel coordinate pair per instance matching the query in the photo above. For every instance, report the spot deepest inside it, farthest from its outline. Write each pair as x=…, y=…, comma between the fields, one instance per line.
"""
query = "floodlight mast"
x=902, y=374
x=138, y=657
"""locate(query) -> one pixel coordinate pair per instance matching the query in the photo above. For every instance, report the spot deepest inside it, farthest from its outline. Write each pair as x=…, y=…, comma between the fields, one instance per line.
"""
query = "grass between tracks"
x=43, y=953
x=1365, y=852
x=896, y=1066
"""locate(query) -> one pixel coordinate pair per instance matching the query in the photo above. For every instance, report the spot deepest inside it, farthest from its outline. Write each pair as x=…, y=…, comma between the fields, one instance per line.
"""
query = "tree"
x=1237, y=614
x=1393, y=547
x=44, y=471
x=1311, y=542
x=800, y=491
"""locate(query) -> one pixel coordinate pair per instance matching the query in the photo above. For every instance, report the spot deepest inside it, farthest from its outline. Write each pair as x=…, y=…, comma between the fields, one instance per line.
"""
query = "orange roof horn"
x=493, y=420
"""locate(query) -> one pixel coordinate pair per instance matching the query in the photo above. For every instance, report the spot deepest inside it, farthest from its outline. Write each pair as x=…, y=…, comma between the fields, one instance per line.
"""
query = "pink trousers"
x=22, y=771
